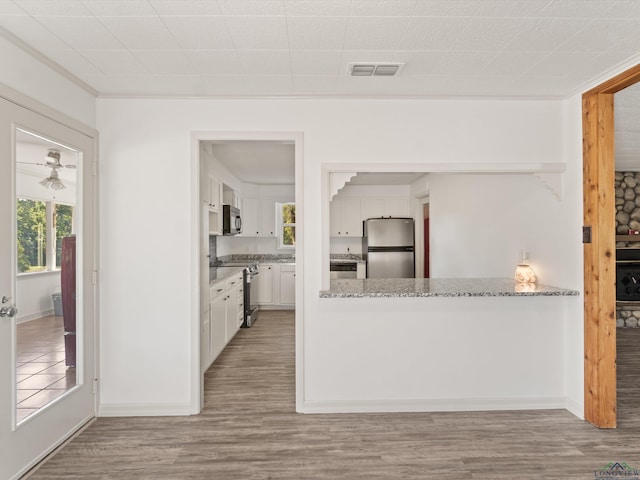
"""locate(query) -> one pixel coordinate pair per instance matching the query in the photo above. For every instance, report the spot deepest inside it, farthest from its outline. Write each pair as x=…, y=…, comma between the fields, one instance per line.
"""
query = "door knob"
x=8, y=311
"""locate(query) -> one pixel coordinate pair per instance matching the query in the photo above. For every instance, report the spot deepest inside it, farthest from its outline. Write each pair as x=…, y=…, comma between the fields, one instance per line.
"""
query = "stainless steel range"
x=251, y=277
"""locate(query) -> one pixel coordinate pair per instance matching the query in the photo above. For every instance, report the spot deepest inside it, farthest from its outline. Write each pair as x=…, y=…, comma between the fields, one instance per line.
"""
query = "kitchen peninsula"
x=439, y=287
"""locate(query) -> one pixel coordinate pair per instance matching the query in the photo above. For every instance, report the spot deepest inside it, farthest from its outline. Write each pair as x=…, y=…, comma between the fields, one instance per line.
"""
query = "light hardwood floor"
x=248, y=430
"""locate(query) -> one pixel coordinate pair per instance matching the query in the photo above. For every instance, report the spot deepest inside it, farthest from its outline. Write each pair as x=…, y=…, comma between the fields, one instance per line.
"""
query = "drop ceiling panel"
x=324, y=33
x=258, y=33
x=273, y=47
x=128, y=31
x=196, y=33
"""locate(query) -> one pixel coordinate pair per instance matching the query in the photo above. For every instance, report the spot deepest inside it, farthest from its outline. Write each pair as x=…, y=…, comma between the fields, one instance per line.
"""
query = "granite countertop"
x=439, y=287
x=257, y=258
x=346, y=260
x=217, y=274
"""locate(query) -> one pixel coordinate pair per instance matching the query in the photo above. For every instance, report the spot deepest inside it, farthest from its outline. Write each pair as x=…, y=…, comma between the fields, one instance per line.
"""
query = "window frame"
x=281, y=226
x=50, y=234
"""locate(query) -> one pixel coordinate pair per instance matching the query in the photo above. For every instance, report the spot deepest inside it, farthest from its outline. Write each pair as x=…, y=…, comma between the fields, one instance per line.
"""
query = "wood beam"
x=599, y=260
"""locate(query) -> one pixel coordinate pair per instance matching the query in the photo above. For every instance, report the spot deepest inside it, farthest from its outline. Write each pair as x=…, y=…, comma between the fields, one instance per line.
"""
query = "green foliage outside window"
x=289, y=224
x=32, y=235
x=63, y=222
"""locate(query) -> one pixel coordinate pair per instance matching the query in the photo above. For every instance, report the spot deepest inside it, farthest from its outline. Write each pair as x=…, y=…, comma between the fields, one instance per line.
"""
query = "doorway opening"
x=600, y=397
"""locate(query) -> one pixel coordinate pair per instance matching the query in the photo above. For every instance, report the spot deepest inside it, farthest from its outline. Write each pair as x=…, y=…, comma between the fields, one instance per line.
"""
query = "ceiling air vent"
x=375, y=69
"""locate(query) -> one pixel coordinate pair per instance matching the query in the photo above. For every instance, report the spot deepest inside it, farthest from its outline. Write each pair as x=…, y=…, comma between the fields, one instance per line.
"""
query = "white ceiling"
x=504, y=48
x=627, y=128
x=258, y=162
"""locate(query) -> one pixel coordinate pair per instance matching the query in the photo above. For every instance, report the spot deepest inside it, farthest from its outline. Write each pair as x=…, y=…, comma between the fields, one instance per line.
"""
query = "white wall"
x=33, y=78
x=33, y=294
x=147, y=312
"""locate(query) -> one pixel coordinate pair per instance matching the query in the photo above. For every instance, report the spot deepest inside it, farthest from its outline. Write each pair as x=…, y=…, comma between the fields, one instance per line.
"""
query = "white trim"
x=34, y=316
x=72, y=432
x=574, y=407
x=197, y=376
x=144, y=409
x=435, y=405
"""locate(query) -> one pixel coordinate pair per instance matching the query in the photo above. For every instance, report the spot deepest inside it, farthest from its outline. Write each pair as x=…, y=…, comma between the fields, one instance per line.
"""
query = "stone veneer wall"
x=627, y=187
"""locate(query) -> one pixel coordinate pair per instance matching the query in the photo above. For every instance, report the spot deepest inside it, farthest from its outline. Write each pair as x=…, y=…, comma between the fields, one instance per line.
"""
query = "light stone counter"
x=439, y=287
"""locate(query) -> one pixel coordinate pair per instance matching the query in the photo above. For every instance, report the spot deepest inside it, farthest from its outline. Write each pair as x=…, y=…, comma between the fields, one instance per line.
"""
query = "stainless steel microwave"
x=231, y=221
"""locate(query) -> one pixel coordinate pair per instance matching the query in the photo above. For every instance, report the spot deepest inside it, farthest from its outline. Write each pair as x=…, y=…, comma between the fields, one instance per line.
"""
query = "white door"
x=38, y=408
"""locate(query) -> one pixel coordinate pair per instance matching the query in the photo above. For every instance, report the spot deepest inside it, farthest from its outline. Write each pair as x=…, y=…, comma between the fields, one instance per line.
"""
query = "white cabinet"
x=225, y=313
x=259, y=217
x=205, y=340
x=287, y=294
x=373, y=207
x=267, y=217
x=251, y=216
x=215, y=194
x=265, y=284
x=218, y=320
x=345, y=217
x=233, y=287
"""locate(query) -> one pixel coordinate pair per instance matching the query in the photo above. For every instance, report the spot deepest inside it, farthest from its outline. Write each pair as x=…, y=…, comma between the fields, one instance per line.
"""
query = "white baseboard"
x=277, y=307
x=435, y=405
x=144, y=410
x=575, y=407
x=34, y=316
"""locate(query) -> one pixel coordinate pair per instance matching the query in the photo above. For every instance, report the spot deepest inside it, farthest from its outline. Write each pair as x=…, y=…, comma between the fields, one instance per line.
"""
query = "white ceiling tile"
x=72, y=61
x=164, y=62
x=578, y=8
x=316, y=33
x=252, y=7
x=318, y=8
x=546, y=34
x=140, y=33
x=113, y=62
x=445, y=8
x=431, y=33
x=510, y=8
x=32, y=32
x=485, y=33
x=265, y=62
x=560, y=64
x=216, y=62
x=314, y=85
x=447, y=63
x=105, y=84
x=205, y=32
x=190, y=8
x=601, y=35
x=421, y=63
x=381, y=8
x=512, y=63
x=253, y=85
x=67, y=8
x=258, y=33
x=120, y=8
x=316, y=63
x=82, y=32
x=625, y=9
x=7, y=7
x=375, y=33
x=148, y=85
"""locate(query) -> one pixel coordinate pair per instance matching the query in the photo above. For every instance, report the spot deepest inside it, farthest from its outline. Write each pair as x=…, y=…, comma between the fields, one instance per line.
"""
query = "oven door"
x=251, y=298
x=628, y=281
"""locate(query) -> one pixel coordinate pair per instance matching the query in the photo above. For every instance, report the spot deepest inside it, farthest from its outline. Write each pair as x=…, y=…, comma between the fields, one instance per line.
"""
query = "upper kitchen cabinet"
x=385, y=207
x=259, y=217
x=346, y=217
x=214, y=194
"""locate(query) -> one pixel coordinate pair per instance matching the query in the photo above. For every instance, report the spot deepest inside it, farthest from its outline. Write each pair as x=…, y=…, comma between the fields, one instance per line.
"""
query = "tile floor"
x=41, y=373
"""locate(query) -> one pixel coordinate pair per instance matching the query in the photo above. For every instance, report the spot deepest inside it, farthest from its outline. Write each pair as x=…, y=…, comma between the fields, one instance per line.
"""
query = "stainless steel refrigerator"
x=388, y=247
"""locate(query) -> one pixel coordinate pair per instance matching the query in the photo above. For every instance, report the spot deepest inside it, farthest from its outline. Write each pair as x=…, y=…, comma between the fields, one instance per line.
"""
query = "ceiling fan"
x=52, y=160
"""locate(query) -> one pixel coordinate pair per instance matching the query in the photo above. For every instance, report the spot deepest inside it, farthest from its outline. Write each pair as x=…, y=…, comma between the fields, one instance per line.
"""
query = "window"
x=287, y=225
x=38, y=224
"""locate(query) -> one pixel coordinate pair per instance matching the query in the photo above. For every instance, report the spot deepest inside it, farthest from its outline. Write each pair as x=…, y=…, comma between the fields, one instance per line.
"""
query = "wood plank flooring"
x=248, y=430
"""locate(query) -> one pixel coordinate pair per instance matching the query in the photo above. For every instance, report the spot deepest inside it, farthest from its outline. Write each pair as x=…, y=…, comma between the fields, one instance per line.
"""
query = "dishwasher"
x=343, y=270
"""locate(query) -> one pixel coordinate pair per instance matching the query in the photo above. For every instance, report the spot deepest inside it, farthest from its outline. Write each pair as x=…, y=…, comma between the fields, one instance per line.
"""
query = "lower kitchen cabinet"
x=218, y=316
x=287, y=285
x=225, y=312
x=276, y=287
x=265, y=284
x=205, y=340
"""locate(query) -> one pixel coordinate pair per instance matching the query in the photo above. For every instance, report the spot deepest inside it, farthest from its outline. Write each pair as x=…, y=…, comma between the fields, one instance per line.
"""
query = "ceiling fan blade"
x=33, y=163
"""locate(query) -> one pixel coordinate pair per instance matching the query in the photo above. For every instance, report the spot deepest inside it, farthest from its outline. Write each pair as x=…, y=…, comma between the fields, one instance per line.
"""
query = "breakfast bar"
x=439, y=287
